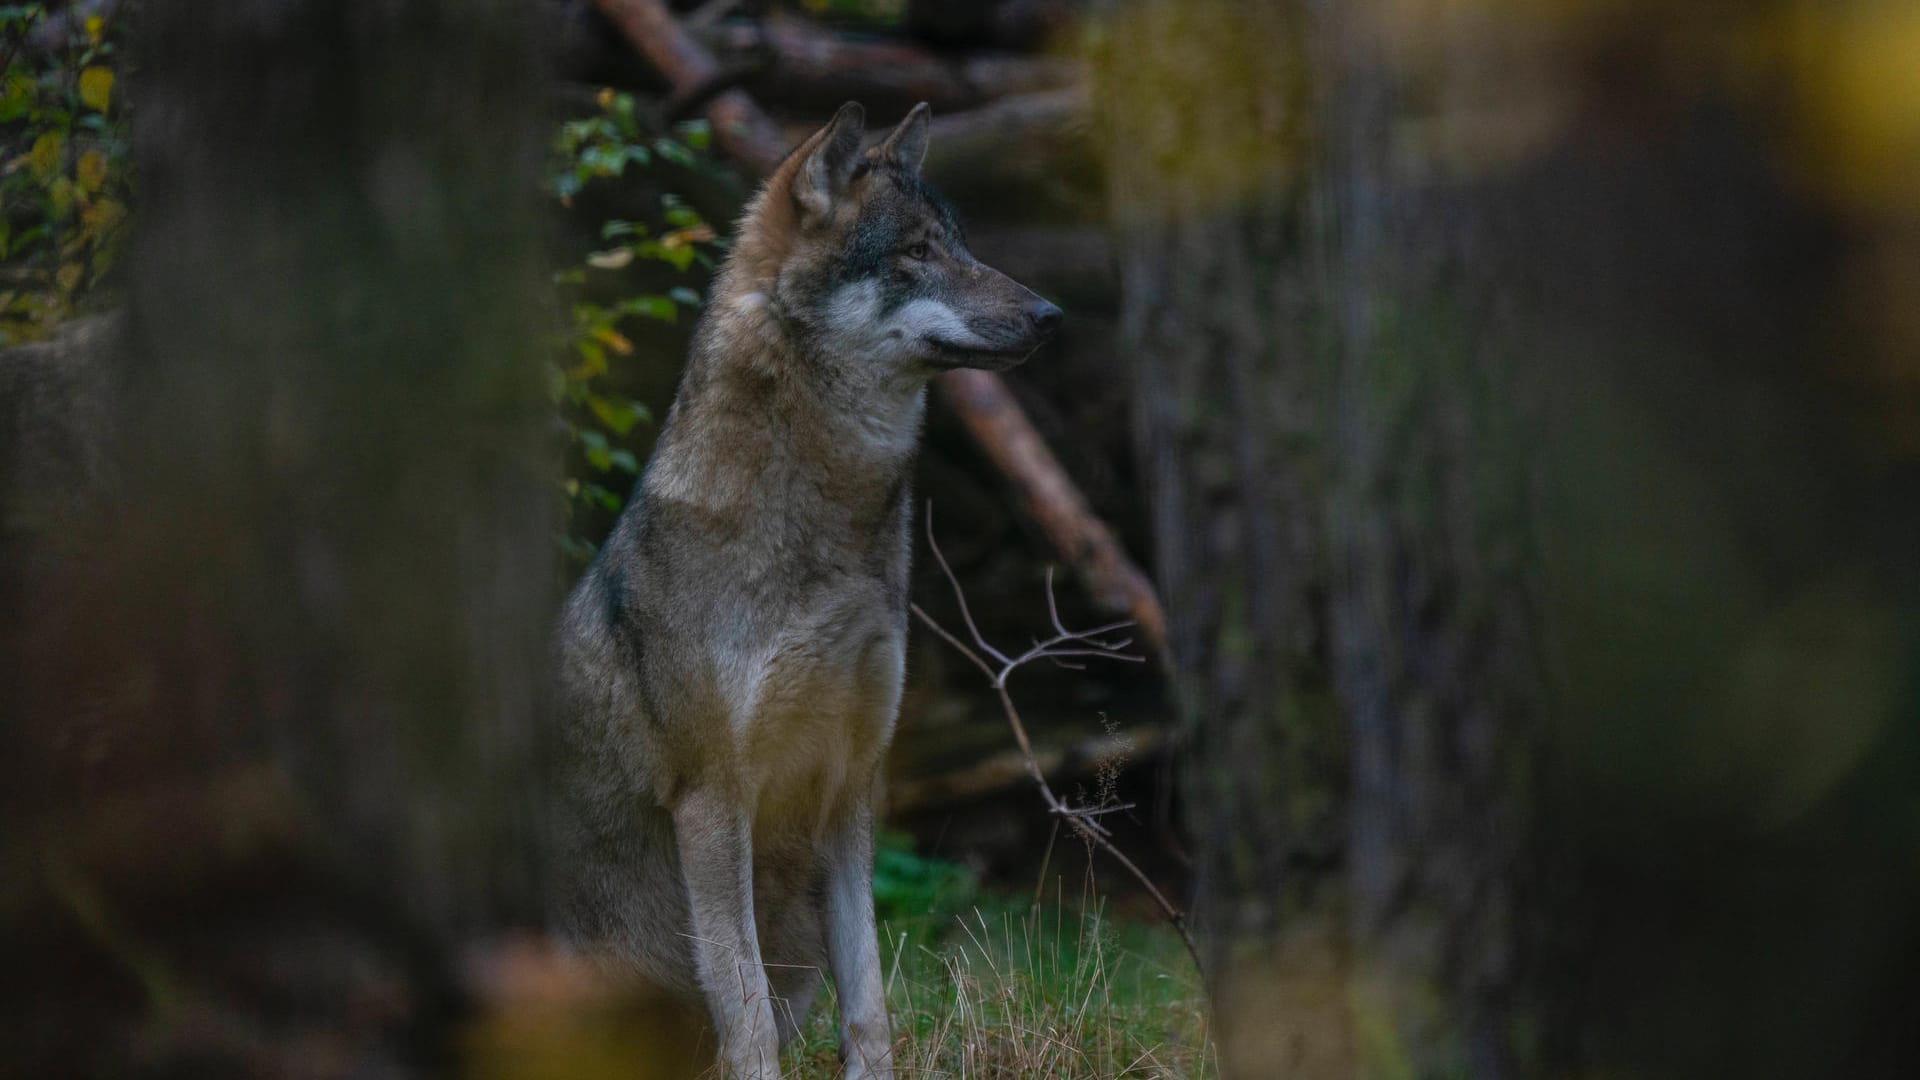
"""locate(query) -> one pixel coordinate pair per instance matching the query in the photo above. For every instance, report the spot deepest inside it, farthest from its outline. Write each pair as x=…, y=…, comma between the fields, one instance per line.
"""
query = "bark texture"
x=1315, y=402
x=1502, y=376
x=276, y=707
x=1204, y=127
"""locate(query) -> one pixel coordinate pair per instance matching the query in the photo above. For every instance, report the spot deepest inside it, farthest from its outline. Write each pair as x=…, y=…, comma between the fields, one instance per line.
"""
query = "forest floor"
x=986, y=983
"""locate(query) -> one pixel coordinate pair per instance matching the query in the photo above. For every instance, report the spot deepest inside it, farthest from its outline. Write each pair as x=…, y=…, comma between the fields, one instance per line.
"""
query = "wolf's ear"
x=907, y=146
x=830, y=158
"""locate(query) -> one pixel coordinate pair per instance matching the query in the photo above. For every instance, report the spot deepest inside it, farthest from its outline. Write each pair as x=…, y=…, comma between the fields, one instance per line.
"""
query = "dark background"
x=1515, y=406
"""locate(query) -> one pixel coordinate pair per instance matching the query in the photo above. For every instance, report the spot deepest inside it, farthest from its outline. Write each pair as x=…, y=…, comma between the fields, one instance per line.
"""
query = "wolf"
x=730, y=664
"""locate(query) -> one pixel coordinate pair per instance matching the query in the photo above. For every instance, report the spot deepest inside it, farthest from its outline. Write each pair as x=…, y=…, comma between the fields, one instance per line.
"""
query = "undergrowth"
x=984, y=985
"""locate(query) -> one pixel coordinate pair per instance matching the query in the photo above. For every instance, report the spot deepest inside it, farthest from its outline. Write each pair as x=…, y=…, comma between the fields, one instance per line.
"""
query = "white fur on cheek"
x=853, y=310
x=854, y=323
x=921, y=319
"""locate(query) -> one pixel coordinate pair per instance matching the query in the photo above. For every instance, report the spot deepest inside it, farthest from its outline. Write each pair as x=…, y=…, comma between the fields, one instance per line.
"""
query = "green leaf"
x=17, y=98
x=601, y=497
x=679, y=256
x=604, y=160
x=625, y=461
x=683, y=295
x=618, y=414
x=696, y=134
x=623, y=115
x=674, y=152
x=651, y=306
x=594, y=447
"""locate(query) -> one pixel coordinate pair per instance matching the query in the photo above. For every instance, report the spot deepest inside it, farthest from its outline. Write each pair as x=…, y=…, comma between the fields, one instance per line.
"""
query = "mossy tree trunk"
x=1551, y=342
x=1317, y=406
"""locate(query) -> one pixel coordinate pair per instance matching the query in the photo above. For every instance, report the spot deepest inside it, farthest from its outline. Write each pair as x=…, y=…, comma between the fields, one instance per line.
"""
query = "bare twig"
x=1064, y=643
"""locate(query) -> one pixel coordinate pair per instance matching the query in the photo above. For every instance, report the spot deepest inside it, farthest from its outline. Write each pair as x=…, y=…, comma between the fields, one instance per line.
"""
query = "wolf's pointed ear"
x=907, y=146
x=831, y=156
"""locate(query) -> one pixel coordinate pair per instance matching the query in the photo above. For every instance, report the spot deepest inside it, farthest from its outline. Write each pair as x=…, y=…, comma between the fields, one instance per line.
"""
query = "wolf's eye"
x=918, y=251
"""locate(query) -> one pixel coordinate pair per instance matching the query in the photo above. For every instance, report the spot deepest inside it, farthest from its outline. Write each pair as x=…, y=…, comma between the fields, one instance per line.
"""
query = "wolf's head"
x=864, y=262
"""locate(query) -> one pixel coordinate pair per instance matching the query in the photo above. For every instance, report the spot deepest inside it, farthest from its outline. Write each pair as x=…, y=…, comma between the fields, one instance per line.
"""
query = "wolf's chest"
x=818, y=707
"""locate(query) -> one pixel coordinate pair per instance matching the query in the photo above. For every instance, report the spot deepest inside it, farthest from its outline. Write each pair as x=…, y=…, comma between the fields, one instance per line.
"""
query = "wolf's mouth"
x=964, y=356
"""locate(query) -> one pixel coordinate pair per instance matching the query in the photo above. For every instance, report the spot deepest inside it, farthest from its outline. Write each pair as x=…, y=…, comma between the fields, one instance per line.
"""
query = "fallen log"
x=812, y=69
x=742, y=131
x=981, y=398
x=1005, y=771
x=1004, y=24
x=1030, y=155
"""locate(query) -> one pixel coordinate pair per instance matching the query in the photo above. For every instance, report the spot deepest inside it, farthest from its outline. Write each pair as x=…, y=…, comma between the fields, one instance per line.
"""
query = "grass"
x=989, y=986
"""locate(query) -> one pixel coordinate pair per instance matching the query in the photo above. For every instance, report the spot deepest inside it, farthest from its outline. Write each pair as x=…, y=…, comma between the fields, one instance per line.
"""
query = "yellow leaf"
x=605, y=97
x=96, y=87
x=68, y=276
x=593, y=362
x=613, y=339
x=104, y=214
x=44, y=159
x=91, y=171
x=95, y=26
x=60, y=197
x=692, y=234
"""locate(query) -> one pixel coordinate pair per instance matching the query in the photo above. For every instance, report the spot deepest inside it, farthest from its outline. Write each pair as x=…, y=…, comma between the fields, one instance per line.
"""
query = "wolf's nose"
x=1045, y=316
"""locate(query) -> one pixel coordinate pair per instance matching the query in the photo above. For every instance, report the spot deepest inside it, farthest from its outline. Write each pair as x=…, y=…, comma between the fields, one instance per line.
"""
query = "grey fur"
x=730, y=665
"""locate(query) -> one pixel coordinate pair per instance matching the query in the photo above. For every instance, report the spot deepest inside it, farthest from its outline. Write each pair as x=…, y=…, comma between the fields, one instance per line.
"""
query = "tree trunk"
x=1433, y=638
x=1204, y=126
x=1529, y=402
x=281, y=754
x=1356, y=677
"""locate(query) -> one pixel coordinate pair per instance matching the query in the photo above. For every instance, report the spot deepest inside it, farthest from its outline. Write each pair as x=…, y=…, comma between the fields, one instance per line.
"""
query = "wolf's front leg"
x=866, y=1040
x=714, y=835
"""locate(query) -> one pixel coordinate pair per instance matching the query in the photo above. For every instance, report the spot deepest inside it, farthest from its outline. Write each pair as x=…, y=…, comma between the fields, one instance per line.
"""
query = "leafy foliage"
x=64, y=184
x=1006, y=987
x=600, y=149
x=907, y=884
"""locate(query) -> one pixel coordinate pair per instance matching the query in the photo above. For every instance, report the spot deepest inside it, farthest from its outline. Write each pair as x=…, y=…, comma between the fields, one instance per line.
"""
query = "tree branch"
x=741, y=129
x=1052, y=500
x=817, y=68
x=1064, y=642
